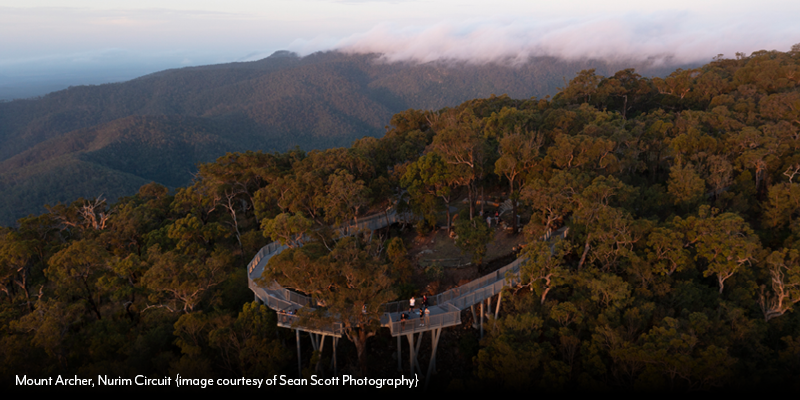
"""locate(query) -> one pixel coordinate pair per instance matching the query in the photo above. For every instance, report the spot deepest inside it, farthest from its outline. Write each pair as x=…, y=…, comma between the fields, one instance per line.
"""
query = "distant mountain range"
x=110, y=139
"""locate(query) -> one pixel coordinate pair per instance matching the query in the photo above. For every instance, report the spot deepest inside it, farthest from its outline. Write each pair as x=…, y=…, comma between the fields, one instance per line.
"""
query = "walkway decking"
x=445, y=307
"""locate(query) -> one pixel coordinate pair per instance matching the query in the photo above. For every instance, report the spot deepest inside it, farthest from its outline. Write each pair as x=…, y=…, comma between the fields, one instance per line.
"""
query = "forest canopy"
x=680, y=268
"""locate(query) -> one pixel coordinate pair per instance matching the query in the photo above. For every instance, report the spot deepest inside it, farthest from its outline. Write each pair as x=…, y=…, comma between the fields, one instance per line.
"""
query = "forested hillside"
x=320, y=101
x=679, y=270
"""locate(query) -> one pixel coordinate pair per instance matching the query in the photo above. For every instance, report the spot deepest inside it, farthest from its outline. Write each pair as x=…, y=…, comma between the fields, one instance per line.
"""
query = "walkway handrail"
x=265, y=251
x=270, y=301
x=416, y=324
x=492, y=279
x=454, y=300
x=291, y=321
x=279, y=298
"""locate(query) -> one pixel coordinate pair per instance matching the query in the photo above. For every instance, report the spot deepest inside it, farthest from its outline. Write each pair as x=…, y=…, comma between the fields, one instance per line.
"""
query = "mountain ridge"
x=318, y=101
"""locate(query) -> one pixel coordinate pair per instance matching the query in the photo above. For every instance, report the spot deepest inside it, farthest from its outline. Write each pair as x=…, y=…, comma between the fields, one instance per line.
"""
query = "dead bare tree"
x=785, y=281
x=94, y=214
x=792, y=171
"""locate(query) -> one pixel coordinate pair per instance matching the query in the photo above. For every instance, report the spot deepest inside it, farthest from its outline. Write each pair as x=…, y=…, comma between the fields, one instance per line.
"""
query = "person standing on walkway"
x=411, y=303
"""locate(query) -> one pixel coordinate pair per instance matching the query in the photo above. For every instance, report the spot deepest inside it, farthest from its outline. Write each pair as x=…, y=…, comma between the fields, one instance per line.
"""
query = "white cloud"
x=45, y=37
x=669, y=37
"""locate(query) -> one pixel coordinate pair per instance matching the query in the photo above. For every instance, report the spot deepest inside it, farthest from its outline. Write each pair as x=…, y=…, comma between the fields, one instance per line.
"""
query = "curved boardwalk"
x=445, y=308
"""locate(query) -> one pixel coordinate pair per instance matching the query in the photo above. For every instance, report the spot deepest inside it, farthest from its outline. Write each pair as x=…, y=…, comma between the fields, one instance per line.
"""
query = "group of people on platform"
x=424, y=312
x=285, y=316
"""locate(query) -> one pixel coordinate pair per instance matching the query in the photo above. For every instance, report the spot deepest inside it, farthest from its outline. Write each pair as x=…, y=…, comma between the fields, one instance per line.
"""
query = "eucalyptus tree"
x=552, y=200
x=350, y=282
x=595, y=208
x=431, y=176
x=345, y=197
x=459, y=142
x=545, y=267
x=625, y=86
x=76, y=270
x=289, y=229
x=519, y=153
x=16, y=256
x=178, y=282
x=473, y=236
x=581, y=88
x=686, y=186
x=784, y=271
x=725, y=241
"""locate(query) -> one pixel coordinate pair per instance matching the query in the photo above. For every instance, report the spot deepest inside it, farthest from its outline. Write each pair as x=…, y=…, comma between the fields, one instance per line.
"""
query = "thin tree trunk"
x=361, y=350
x=471, y=196
x=585, y=251
x=483, y=200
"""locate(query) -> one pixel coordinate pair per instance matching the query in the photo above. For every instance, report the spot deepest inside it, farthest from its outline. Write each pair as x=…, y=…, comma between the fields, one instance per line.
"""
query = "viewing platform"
x=445, y=308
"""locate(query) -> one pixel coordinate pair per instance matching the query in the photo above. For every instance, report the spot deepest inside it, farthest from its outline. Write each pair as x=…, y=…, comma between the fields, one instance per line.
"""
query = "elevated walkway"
x=445, y=308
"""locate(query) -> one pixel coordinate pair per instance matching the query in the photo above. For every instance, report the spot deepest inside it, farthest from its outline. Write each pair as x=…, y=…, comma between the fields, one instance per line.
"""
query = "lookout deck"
x=445, y=308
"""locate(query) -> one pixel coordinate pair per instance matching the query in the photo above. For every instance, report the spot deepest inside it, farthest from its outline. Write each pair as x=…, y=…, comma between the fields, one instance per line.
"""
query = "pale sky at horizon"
x=50, y=37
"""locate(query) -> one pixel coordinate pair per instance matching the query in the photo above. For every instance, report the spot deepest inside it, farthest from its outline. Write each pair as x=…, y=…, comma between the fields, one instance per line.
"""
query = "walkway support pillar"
x=474, y=317
x=413, y=350
x=320, y=347
x=497, y=310
x=299, y=367
x=481, y=320
x=436, y=334
x=333, y=361
x=411, y=355
x=399, y=360
x=416, y=353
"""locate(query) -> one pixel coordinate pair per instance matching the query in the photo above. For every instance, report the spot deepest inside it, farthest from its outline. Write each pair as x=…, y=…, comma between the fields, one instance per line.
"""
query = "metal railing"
x=416, y=324
x=298, y=298
x=267, y=251
x=478, y=295
x=373, y=222
x=453, y=300
x=292, y=322
x=405, y=305
x=494, y=281
x=446, y=262
x=270, y=301
x=279, y=298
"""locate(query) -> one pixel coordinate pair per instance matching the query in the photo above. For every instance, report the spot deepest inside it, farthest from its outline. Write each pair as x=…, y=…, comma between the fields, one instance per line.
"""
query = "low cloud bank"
x=665, y=38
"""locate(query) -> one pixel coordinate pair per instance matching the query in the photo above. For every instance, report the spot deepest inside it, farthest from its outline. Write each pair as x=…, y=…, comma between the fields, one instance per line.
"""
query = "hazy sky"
x=47, y=37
